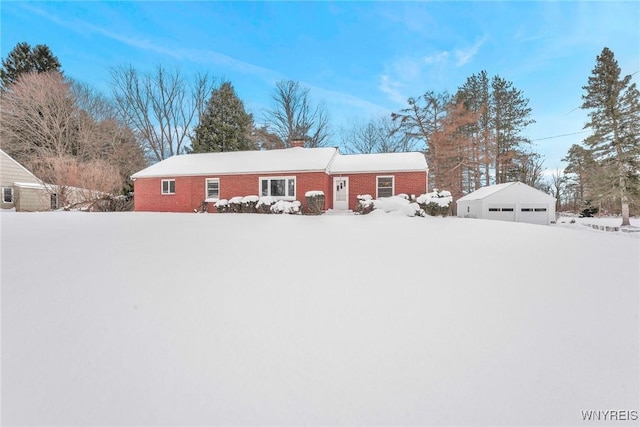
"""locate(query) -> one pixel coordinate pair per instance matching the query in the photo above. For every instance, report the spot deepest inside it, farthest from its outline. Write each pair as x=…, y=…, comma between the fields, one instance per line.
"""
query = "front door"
x=341, y=193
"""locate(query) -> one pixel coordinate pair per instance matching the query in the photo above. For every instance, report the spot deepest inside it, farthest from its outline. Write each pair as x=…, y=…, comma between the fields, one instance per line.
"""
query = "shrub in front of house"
x=235, y=204
x=264, y=204
x=315, y=201
x=438, y=202
x=249, y=204
x=399, y=204
x=222, y=206
x=285, y=207
x=365, y=204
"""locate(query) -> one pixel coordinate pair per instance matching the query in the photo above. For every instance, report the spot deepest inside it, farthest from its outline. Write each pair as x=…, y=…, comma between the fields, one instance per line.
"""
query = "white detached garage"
x=511, y=201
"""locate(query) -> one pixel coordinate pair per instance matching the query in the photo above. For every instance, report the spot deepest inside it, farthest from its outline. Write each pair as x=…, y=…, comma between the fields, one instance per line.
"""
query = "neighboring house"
x=511, y=201
x=182, y=183
x=21, y=189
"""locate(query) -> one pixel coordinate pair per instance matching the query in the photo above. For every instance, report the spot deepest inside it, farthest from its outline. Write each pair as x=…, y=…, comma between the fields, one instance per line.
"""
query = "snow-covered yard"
x=232, y=319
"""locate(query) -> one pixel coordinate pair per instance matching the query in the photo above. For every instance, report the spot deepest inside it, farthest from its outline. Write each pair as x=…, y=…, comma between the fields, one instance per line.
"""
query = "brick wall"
x=190, y=191
x=404, y=182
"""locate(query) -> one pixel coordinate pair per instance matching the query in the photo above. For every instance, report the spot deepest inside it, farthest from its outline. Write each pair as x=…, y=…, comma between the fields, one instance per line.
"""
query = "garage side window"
x=7, y=194
x=168, y=186
x=384, y=186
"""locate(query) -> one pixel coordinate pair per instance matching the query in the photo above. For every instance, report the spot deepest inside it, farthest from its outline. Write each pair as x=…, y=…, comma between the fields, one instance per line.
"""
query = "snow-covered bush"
x=398, y=204
x=249, y=204
x=365, y=204
x=388, y=204
x=283, y=206
x=222, y=206
x=235, y=204
x=315, y=201
x=438, y=202
x=264, y=204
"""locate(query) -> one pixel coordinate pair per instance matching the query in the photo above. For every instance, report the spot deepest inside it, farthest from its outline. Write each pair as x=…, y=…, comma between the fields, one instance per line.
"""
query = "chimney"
x=297, y=143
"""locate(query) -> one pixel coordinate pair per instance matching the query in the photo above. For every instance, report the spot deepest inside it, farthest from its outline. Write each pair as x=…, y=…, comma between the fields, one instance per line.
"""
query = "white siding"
x=539, y=208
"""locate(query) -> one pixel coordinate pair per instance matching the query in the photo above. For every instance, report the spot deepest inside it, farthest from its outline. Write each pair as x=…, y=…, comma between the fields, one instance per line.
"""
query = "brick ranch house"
x=182, y=183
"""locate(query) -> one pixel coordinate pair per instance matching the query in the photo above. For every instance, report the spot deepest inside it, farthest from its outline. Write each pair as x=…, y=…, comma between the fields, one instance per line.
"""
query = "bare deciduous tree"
x=161, y=107
x=38, y=117
x=44, y=127
x=376, y=136
x=295, y=118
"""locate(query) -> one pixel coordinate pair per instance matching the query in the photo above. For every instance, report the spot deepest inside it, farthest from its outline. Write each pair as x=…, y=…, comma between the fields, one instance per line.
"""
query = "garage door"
x=537, y=215
x=501, y=213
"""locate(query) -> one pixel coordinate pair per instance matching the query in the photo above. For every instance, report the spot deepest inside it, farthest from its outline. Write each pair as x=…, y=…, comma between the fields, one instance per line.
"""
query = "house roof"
x=484, y=192
x=297, y=159
x=271, y=161
x=381, y=162
x=11, y=169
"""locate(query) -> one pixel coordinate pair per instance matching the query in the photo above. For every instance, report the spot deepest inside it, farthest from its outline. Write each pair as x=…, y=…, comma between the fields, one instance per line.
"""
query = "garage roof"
x=484, y=192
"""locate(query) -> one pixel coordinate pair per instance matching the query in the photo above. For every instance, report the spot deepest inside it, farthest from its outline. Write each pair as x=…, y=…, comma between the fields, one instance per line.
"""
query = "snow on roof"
x=484, y=192
x=295, y=159
x=381, y=162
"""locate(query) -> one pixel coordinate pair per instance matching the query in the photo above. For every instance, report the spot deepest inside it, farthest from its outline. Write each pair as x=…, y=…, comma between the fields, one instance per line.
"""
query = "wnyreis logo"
x=609, y=415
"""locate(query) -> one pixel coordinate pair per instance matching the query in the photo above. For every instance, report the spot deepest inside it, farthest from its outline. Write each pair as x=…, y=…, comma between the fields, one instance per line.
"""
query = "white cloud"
x=436, y=58
x=463, y=56
x=392, y=89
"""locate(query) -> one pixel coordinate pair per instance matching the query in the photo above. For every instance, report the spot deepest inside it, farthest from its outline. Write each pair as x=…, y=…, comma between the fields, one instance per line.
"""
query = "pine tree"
x=582, y=171
x=614, y=117
x=23, y=59
x=503, y=113
x=224, y=125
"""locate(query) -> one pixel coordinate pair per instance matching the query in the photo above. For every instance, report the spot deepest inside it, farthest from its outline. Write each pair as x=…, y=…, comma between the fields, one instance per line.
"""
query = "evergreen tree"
x=510, y=114
x=503, y=113
x=582, y=173
x=614, y=117
x=23, y=59
x=224, y=125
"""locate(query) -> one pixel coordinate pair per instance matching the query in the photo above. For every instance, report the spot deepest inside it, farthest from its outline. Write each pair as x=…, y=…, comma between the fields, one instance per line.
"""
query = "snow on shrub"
x=365, y=204
x=398, y=204
x=404, y=196
x=436, y=203
x=249, y=204
x=235, y=204
x=315, y=201
x=264, y=204
x=283, y=206
x=222, y=206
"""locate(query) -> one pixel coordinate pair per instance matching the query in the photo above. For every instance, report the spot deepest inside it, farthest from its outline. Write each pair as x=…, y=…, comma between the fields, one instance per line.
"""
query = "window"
x=279, y=187
x=541, y=209
x=526, y=210
x=168, y=186
x=213, y=188
x=7, y=194
x=500, y=209
x=54, y=201
x=384, y=186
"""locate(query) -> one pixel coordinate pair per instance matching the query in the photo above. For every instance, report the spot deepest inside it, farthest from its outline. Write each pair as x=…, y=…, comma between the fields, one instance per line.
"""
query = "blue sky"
x=361, y=59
